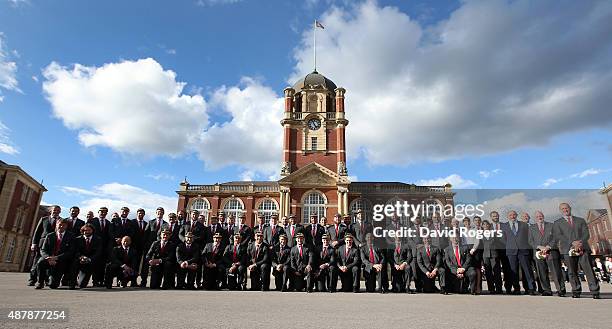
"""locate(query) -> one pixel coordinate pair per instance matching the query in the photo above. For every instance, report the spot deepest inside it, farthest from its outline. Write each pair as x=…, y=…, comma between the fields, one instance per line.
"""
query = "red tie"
x=292, y=231
x=257, y=254
x=300, y=251
x=336, y=232
x=273, y=230
x=428, y=254
x=126, y=259
x=372, y=260
x=324, y=252
x=346, y=253
x=397, y=250
x=457, y=256
x=235, y=253
x=215, y=251
x=58, y=244
x=163, y=247
x=569, y=220
x=314, y=231
x=88, y=244
x=541, y=229
x=102, y=224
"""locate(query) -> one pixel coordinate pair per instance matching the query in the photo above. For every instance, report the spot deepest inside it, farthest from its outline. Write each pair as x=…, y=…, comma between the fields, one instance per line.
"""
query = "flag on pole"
x=317, y=24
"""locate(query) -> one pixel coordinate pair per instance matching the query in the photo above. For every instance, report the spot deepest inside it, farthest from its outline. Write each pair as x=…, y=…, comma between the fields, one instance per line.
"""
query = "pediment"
x=314, y=174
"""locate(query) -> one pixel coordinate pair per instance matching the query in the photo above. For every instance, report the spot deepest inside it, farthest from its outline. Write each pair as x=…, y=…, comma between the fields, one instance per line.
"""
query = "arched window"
x=267, y=207
x=314, y=203
x=201, y=205
x=10, y=251
x=233, y=207
x=403, y=218
x=433, y=206
x=361, y=204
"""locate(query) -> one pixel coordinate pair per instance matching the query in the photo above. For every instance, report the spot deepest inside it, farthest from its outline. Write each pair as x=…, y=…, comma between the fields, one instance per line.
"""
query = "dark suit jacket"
x=440, y=242
x=547, y=239
x=516, y=244
x=333, y=236
x=176, y=229
x=153, y=231
x=209, y=256
x=464, y=255
x=213, y=229
x=566, y=234
x=118, y=257
x=380, y=257
x=240, y=257
x=271, y=238
x=118, y=230
x=317, y=239
x=359, y=231
x=261, y=257
x=75, y=227
x=328, y=257
x=140, y=239
x=256, y=228
x=65, y=252
x=351, y=260
x=281, y=256
x=403, y=256
x=489, y=247
x=298, y=262
x=167, y=255
x=105, y=233
x=197, y=229
x=44, y=226
x=190, y=255
x=427, y=264
x=246, y=233
x=291, y=238
x=93, y=252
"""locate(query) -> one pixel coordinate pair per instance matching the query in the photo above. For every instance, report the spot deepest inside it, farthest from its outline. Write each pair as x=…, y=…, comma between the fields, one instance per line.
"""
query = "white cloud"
x=6, y=146
x=161, y=176
x=210, y=3
x=8, y=69
x=492, y=77
x=134, y=107
x=582, y=174
x=247, y=175
x=455, y=180
x=116, y=195
x=253, y=137
x=486, y=174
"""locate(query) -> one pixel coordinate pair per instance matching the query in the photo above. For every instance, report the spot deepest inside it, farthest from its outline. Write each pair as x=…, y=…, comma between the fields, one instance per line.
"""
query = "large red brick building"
x=314, y=177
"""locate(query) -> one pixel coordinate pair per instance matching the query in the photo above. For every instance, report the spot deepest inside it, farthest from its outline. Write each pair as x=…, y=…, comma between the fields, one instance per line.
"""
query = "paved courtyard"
x=144, y=308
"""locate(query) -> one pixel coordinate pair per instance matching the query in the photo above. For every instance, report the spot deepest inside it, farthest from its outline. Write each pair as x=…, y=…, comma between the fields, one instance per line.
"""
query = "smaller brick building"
x=20, y=197
x=599, y=222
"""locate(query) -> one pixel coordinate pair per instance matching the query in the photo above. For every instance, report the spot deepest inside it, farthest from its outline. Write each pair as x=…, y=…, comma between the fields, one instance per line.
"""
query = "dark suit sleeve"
x=266, y=257
x=38, y=232
x=356, y=261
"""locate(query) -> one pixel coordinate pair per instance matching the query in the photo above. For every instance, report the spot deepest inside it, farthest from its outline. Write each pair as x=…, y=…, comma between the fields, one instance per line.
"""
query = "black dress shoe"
x=575, y=295
x=547, y=293
x=561, y=293
x=39, y=286
x=382, y=291
x=109, y=287
x=31, y=283
x=596, y=296
x=355, y=290
x=532, y=293
x=71, y=287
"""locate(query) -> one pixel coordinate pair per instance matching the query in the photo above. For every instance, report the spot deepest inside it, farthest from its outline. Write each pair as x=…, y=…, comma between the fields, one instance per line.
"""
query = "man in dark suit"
x=188, y=254
x=516, y=238
x=360, y=228
x=325, y=266
x=314, y=232
x=500, y=246
x=162, y=259
x=245, y=231
x=214, y=262
x=214, y=227
x=301, y=268
x=174, y=228
x=490, y=258
x=141, y=244
x=181, y=217
x=273, y=232
x=280, y=263
x=44, y=226
x=236, y=259
x=102, y=228
x=122, y=264
x=431, y=264
x=55, y=256
x=439, y=241
x=261, y=224
x=199, y=235
x=292, y=230
x=259, y=263
x=572, y=234
x=375, y=265
x=87, y=253
x=460, y=262
x=231, y=230
x=415, y=243
x=546, y=255
x=122, y=226
x=74, y=222
x=400, y=258
x=336, y=232
x=349, y=265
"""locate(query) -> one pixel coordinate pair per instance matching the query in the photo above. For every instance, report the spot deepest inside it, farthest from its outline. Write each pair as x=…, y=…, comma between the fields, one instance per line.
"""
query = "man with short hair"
x=245, y=231
x=292, y=230
x=141, y=244
x=516, y=237
x=122, y=265
x=236, y=260
x=280, y=263
x=259, y=263
x=461, y=265
x=375, y=265
x=301, y=264
x=490, y=258
x=336, y=232
x=429, y=259
x=314, y=232
x=325, y=266
x=214, y=263
x=102, y=228
x=360, y=229
x=573, y=235
x=44, y=227
x=87, y=254
x=162, y=259
x=349, y=265
x=500, y=246
x=74, y=222
x=273, y=232
x=55, y=255
x=542, y=241
x=261, y=223
x=400, y=258
x=121, y=227
x=188, y=260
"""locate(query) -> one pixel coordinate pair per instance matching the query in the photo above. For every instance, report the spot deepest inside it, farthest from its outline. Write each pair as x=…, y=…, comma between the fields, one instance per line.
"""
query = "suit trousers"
x=163, y=271
x=373, y=278
x=492, y=267
x=260, y=277
x=517, y=263
x=350, y=279
x=400, y=280
x=584, y=261
x=52, y=273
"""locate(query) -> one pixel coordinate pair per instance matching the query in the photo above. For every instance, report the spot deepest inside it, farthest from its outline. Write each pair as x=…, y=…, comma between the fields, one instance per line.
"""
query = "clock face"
x=314, y=124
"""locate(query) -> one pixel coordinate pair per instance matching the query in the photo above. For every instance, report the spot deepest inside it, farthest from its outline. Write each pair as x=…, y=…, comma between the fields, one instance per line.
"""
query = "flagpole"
x=315, y=45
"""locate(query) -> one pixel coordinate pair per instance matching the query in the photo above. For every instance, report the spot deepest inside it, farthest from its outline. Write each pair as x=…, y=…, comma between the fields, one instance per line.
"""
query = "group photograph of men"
x=192, y=251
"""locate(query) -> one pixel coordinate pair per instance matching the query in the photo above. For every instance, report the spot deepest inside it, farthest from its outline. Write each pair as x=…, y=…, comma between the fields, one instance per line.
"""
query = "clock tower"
x=314, y=125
